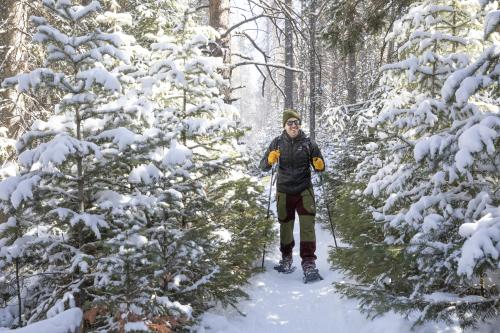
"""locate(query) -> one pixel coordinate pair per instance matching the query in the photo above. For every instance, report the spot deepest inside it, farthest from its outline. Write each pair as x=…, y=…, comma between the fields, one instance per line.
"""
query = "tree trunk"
x=289, y=60
x=269, y=87
x=219, y=20
x=352, y=89
x=334, y=75
x=14, y=17
x=319, y=85
x=390, y=52
x=312, y=70
x=303, y=55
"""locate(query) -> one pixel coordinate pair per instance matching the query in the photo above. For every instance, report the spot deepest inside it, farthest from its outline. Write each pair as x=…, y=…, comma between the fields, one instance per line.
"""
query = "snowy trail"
x=283, y=303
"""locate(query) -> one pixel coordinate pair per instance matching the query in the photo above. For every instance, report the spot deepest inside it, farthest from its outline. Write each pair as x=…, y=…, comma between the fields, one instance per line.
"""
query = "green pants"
x=305, y=206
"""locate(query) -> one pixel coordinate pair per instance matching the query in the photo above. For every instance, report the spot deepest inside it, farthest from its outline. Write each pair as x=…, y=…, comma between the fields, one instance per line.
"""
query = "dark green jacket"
x=294, y=173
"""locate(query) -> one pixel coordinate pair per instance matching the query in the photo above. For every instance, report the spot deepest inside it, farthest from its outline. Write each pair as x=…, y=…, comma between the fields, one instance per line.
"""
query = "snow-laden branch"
x=67, y=321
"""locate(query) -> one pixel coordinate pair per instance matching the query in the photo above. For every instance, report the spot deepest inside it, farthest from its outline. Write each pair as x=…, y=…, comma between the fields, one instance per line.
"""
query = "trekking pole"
x=268, y=214
x=328, y=209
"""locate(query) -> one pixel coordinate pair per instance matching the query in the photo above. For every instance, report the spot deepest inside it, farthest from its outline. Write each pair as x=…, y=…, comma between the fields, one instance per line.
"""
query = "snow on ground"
x=65, y=322
x=283, y=303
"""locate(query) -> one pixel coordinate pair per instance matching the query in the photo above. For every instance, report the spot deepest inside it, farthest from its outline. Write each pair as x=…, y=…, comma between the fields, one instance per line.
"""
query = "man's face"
x=292, y=127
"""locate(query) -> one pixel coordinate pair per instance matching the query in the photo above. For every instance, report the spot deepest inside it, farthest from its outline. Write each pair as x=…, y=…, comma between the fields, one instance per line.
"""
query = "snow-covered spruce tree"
x=151, y=17
x=478, y=83
x=191, y=253
x=366, y=255
x=186, y=255
x=188, y=85
x=75, y=206
x=130, y=278
x=434, y=169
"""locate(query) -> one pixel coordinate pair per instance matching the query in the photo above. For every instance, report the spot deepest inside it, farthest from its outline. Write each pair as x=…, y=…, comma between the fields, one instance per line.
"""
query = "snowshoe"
x=285, y=266
x=312, y=275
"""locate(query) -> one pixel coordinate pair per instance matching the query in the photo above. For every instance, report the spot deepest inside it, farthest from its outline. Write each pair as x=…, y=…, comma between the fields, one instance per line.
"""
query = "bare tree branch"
x=242, y=56
x=243, y=63
x=267, y=67
x=228, y=31
x=264, y=78
x=255, y=45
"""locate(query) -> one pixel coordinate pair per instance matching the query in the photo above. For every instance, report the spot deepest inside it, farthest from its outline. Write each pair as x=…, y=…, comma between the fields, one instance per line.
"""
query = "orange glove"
x=318, y=164
x=273, y=157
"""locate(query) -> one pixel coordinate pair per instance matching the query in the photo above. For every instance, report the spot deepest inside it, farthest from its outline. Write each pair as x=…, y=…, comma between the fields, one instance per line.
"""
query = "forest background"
x=130, y=133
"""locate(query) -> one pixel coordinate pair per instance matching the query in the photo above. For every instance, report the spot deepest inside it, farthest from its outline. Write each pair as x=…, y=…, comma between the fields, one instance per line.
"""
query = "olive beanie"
x=290, y=113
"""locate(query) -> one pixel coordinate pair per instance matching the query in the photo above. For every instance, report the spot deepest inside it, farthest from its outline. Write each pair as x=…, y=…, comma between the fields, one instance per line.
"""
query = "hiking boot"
x=285, y=266
x=311, y=273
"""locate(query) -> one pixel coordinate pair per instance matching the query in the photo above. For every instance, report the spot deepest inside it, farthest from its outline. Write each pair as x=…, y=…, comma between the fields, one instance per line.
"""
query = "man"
x=294, y=153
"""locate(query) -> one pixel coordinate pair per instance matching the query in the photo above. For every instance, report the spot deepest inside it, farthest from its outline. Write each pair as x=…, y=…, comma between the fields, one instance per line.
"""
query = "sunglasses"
x=293, y=122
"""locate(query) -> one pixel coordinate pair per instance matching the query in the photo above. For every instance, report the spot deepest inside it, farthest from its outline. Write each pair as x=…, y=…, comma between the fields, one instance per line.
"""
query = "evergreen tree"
x=365, y=256
x=208, y=129
x=150, y=18
x=147, y=218
x=350, y=21
x=73, y=207
x=432, y=170
x=196, y=251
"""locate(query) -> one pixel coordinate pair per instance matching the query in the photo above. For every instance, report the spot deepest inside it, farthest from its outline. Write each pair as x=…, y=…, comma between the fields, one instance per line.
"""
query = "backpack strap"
x=278, y=141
